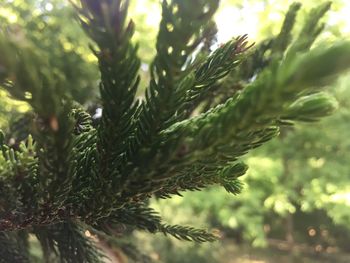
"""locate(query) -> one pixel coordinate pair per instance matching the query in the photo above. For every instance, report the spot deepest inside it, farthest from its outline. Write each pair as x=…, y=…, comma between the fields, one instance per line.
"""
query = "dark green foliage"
x=67, y=241
x=187, y=134
x=11, y=249
x=188, y=233
x=182, y=29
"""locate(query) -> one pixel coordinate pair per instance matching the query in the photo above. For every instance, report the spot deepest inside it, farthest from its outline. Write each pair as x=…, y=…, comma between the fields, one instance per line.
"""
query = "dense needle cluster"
x=202, y=110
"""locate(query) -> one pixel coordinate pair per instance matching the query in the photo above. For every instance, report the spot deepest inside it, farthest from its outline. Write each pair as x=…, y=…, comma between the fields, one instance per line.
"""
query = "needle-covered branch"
x=203, y=110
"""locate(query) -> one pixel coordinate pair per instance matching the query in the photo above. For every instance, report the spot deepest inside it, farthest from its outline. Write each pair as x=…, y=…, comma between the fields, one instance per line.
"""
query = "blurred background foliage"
x=296, y=202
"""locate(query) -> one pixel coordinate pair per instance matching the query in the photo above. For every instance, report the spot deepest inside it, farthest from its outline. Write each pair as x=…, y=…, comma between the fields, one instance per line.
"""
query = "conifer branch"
x=74, y=172
x=180, y=33
x=10, y=249
x=265, y=99
x=188, y=233
x=68, y=241
x=106, y=23
x=217, y=66
x=311, y=29
x=284, y=38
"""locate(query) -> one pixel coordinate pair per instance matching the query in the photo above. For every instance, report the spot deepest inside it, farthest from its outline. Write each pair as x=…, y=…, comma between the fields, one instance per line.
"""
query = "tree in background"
x=75, y=174
x=51, y=28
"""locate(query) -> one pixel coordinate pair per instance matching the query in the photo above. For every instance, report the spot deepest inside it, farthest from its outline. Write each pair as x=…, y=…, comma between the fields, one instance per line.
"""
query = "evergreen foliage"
x=73, y=173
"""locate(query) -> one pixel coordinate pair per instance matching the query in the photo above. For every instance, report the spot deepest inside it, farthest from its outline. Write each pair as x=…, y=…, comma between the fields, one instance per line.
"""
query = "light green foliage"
x=300, y=175
x=272, y=13
x=51, y=27
x=82, y=173
x=316, y=158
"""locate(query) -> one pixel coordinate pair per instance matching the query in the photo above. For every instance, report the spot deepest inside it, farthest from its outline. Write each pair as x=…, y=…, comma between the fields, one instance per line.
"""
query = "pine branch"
x=203, y=174
x=145, y=218
x=67, y=242
x=22, y=177
x=26, y=173
x=179, y=35
x=277, y=47
x=311, y=29
x=314, y=107
x=137, y=215
x=83, y=120
x=74, y=174
x=311, y=108
x=105, y=22
x=264, y=100
x=10, y=249
x=205, y=132
x=217, y=66
x=282, y=44
x=284, y=38
x=44, y=91
x=188, y=233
